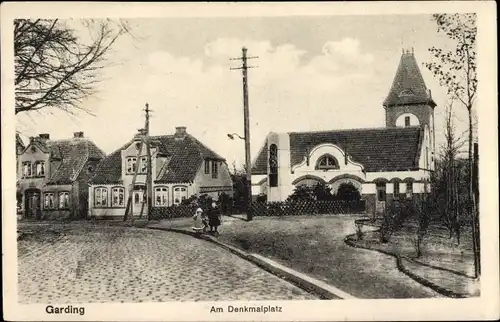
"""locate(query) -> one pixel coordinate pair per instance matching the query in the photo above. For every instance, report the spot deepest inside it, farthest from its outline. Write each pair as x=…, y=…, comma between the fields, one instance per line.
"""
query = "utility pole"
x=149, y=185
x=144, y=136
x=248, y=162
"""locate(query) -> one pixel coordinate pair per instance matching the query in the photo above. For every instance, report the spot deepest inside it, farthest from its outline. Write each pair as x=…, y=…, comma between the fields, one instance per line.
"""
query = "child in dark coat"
x=214, y=219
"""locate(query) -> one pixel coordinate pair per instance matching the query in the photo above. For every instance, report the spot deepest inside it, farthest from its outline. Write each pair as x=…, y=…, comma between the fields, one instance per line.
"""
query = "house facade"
x=384, y=164
x=52, y=176
x=181, y=166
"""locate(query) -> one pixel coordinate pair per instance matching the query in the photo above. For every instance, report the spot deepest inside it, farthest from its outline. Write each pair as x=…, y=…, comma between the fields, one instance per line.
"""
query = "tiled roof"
x=408, y=86
x=378, y=149
x=19, y=142
x=185, y=157
x=73, y=153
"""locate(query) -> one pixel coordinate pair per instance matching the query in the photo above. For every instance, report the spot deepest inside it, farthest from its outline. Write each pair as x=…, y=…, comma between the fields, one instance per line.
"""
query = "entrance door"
x=381, y=199
x=32, y=203
x=138, y=199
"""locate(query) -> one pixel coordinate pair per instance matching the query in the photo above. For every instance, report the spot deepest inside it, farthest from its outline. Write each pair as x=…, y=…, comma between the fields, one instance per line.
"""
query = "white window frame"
x=117, y=190
x=162, y=193
x=327, y=166
x=215, y=169
x=131, y=164
x=29, y=167
x=143, y=165
x=99, y=201
x=409, y=190
x=177, y=194
x=207, y=166
x=35, y=169
x=49, y=203
x=64, y=195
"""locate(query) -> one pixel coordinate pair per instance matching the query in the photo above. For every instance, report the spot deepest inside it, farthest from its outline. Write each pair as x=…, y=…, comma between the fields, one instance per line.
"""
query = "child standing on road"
x=214, y=219
x=200, y=221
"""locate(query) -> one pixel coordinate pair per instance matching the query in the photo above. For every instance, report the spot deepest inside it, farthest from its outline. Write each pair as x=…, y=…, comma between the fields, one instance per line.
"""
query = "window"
x=381, y=187
x=131, y=164
x=273, y=165
x=407, y=121
x=396, y=191
x=27, y=169
x=207, y=166
x=327, y=162
x=40, y=169
x=143, y=165
x=63, y=200
x=180, y=193
x=118, y=196
x=409, y=189
x=215, y=169
x=161, y=196
x=49, y=200
x=101, y=197
x=406, y=92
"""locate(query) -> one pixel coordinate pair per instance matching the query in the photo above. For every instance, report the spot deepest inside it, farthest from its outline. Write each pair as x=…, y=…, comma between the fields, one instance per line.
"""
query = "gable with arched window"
x=327, y=162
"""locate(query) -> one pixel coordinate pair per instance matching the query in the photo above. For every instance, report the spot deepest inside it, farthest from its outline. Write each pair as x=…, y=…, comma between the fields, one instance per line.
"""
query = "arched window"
x=327, y=162
x=161, y=196
x=180, y=193
x=273, y=165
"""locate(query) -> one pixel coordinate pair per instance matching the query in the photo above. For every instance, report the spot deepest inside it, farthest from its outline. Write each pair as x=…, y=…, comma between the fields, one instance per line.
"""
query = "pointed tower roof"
x=408, y=86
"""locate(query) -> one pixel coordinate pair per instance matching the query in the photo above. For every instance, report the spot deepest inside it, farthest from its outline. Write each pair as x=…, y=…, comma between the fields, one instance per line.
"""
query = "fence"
x=303, y=207
x=178, y=211
x=294, y=208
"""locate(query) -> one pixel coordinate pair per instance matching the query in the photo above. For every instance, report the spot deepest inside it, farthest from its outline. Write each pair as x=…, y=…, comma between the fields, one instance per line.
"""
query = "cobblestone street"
x=118, y=264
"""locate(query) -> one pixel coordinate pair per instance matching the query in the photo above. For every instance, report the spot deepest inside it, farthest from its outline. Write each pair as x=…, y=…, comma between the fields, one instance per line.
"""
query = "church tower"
x=409, y=103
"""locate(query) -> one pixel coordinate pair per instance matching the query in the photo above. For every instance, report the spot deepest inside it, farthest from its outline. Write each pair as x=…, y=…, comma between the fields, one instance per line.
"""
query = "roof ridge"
x=196, y=141
x=358, y=129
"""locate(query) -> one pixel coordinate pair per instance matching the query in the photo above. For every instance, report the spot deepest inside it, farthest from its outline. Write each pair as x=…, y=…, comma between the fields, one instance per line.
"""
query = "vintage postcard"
x=249, y=161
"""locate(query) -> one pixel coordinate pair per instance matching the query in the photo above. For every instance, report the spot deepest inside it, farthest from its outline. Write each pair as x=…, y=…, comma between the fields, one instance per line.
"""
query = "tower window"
x=407, y=121
x=273, y=165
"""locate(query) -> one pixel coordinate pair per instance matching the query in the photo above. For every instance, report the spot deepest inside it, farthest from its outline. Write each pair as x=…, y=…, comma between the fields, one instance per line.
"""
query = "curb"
x=311, y=285
x=400, y=266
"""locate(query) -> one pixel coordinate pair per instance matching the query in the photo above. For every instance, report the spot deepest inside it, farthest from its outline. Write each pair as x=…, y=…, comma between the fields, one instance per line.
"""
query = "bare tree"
x=455, y=69
x=54, y=66
x=450, y=152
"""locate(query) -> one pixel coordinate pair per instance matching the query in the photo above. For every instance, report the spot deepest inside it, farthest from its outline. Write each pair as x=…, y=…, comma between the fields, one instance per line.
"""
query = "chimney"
x=44, y=137
x=140, y=134
x=180, y=132
x=78, y=135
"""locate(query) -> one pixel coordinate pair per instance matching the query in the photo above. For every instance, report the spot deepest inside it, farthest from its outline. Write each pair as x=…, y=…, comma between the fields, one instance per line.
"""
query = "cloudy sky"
x=314, y=73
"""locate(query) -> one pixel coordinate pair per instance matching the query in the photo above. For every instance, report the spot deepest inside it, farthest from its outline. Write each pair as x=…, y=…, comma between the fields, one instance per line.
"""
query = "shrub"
x=347, y=191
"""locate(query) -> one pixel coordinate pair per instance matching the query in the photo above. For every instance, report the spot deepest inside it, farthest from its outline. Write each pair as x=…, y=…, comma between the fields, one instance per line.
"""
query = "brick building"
x=52, y=176
x=383, y=163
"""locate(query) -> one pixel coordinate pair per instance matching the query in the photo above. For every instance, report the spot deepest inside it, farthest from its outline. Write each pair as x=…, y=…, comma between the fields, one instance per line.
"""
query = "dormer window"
x=207, y=166
x=327, y=162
